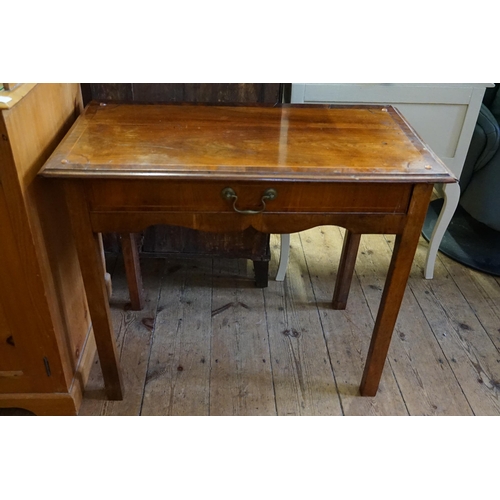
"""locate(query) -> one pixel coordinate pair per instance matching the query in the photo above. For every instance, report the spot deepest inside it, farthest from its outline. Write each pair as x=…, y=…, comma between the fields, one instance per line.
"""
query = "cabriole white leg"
x=451, y=198
x=284, y=255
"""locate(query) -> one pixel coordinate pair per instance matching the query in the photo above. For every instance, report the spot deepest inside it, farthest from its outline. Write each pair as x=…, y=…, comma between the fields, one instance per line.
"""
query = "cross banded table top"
x=284, y=142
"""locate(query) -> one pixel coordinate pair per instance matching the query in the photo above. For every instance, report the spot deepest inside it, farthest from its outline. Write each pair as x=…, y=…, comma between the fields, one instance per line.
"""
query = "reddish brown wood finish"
x=133, y=270
x=343, y=143
x=202, y=197
x=399, y=270
x=44, y=322
x=162, y=240
x=346, y=269
x=89, y=254
x=360, y=167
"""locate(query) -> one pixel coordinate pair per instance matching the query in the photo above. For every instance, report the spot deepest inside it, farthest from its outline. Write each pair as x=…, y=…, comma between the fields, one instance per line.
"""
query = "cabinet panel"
x=9, y=356
x=22, y=365
x=439, y=125
x=386, y=92
x=44, y=323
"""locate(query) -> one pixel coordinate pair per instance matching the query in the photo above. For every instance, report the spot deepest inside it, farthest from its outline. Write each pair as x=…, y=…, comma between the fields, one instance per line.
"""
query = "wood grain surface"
x=338, y=143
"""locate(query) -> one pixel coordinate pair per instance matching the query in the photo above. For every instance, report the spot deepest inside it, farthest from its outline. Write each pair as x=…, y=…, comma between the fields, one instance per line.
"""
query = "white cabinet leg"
x=451, y=198
x=284, y=255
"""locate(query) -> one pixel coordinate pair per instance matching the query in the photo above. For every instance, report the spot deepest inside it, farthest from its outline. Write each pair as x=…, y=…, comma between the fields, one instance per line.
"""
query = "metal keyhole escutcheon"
x=269, y=195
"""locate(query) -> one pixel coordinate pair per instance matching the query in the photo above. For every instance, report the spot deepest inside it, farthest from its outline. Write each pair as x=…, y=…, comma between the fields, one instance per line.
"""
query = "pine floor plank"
x=347, y=332
x=240, y=380
x=482, y=293
x=467, y=347
x=210, y=343
x=302, y=372
x=136, y=344
x=134, y=331
x=425, y=378
x=179, y=367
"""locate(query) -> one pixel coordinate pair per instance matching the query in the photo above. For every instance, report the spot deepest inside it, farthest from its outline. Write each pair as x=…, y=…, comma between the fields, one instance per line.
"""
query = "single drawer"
x=205, y=196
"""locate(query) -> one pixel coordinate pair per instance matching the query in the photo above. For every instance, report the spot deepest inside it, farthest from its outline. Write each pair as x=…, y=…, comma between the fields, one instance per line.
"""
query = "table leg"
x=395, y=285
x=346, y=269
x=130, y=252
x=89, y=254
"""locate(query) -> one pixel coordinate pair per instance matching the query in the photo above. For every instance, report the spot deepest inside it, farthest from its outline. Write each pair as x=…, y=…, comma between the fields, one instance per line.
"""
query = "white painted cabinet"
x=443, y=114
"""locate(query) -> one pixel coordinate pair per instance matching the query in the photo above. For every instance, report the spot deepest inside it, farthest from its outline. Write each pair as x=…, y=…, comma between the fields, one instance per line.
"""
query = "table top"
x=284, y=142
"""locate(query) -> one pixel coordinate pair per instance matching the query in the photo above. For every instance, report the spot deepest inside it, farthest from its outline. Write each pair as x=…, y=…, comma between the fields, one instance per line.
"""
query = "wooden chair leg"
x=261, y=268
x=284, y=256
x=451, y=199
x=346, y=269
x=133, y=270
x=107, y=276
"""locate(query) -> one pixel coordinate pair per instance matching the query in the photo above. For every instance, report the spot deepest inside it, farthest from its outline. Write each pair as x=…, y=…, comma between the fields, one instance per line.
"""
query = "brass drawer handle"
x=269, y=195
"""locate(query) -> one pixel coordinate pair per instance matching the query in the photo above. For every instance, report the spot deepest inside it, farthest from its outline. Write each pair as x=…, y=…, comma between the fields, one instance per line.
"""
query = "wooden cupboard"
x=46, y=341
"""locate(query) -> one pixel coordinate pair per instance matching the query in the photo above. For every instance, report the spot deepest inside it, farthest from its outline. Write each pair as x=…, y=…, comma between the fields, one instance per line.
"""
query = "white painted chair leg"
x=284, y=255
x=451, y=198
x=107, y=276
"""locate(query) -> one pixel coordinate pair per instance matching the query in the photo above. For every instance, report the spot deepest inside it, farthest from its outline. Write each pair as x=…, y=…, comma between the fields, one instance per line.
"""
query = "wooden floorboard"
x=241, y=381
x=209, y=343
x=134, y=331
x=178, y=375
x=426, y=381
x=467, y=346
x=302, y=372
x=347, y=332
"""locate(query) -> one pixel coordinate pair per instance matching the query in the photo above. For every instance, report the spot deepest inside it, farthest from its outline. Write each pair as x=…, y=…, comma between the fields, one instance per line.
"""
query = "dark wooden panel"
x=158, y=92
x=179, y=240
x=187, y=92
x=206, y=92
x=112, y=91
x=232, y=92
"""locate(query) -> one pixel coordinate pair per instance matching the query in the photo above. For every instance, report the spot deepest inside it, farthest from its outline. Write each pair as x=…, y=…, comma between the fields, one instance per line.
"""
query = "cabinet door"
x=24, y=362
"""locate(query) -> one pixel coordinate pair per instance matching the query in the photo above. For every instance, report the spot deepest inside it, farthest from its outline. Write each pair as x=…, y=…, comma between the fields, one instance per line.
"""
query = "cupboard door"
x=25, y=362
x=11, y=365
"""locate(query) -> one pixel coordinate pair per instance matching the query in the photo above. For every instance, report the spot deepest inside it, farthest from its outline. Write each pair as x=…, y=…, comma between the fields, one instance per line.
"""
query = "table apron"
x=136, y=221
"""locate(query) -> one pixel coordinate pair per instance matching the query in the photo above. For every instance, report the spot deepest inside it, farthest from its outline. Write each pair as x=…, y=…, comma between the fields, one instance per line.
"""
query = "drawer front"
x=291, y=197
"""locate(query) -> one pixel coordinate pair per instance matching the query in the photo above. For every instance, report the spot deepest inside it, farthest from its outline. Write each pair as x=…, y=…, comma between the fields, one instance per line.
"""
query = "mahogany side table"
x=278, y=169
